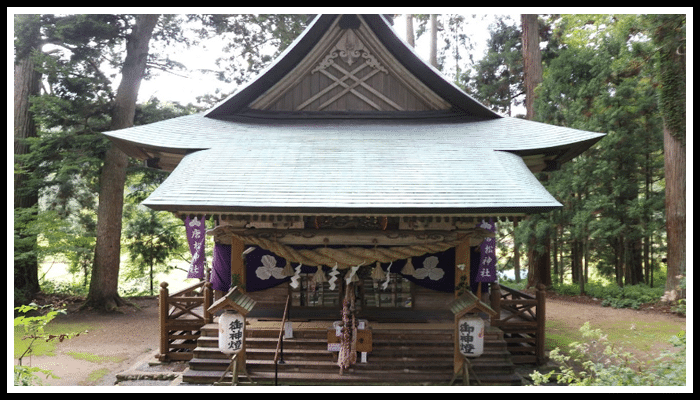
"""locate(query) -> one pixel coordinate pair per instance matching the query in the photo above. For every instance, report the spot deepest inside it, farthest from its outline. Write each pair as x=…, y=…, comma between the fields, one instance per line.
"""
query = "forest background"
x=76, y=75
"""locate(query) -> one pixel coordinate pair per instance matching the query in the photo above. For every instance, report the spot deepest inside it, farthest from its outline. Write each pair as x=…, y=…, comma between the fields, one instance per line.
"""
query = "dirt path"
x=119, y=341
x=643, y=332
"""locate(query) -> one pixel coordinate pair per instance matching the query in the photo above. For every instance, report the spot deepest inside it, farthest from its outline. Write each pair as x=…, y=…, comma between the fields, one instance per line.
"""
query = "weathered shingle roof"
x=349, y=174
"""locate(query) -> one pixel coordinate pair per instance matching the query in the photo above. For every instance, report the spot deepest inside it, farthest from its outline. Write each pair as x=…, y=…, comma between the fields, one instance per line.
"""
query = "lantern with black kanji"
x=470, y=335
x=235, y=306
x=231, y=332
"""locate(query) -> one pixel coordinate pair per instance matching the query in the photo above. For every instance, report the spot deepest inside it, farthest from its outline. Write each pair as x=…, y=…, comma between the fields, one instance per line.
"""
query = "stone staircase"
x=407, y=355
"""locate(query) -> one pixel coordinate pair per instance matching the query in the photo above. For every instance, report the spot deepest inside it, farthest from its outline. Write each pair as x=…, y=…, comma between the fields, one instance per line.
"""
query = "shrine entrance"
x=394, y=291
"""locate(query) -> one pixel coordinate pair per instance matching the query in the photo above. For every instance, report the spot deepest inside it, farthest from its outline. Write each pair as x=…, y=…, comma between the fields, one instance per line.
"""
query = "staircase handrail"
x=280, y=339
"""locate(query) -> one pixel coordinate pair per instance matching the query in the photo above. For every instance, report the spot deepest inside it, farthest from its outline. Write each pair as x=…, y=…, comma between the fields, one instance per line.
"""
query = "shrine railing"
x=521, y=317
x=182, y=315
x=279, y=351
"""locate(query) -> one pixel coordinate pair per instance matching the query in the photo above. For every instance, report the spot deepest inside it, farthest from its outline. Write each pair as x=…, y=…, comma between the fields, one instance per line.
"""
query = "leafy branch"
x=34, y=330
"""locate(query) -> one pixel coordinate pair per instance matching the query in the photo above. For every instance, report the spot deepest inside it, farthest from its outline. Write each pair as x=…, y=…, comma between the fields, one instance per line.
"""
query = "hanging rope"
x=346, y=257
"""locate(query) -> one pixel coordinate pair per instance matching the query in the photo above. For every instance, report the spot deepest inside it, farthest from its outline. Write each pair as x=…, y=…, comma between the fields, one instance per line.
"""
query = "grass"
x=558, y=334
x=94, y=358
x=644, y=336
x=97, y=375
x=43, y=348
x=647, y=340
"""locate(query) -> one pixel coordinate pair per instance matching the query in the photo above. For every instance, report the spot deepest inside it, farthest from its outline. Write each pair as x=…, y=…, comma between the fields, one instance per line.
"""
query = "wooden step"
x=350, y=377
x=320, y=378
x=418, y=356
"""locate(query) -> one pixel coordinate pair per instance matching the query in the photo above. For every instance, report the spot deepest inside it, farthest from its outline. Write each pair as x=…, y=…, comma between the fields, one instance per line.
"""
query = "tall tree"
x=601, y=80
x=538, y=255
x=26, y=85
x=498, y=80
x=532, y=61
x=669, y=37
x=103, y=292
x=82, y=36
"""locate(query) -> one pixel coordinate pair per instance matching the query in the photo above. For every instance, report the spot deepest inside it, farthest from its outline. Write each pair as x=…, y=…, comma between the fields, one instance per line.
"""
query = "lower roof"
x=324, y=177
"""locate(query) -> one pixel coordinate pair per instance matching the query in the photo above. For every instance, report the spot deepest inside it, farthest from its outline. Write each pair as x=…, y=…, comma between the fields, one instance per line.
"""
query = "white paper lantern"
x=231, y=332
x=470, y=331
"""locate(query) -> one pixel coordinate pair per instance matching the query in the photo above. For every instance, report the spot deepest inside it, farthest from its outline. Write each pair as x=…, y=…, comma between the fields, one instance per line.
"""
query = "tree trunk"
x=674, y=164
x=539, y=264
x=539, y=267
x=410, y=36
x=669, y=37
x=103, y=293
x=532, y=61
x=516, y=254
x=433, y=40
x=26, y=84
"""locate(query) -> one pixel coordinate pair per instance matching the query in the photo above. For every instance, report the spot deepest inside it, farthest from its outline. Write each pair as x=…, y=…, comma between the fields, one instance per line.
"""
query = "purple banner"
x=487, y=263
x=196, y=233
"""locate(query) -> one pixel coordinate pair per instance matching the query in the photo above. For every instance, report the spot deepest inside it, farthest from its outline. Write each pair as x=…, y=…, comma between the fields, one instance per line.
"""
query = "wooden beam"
x=356, y=237
x=462, y=263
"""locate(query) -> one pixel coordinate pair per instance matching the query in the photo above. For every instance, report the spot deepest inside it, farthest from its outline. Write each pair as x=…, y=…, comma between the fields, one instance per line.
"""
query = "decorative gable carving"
x=349, y=71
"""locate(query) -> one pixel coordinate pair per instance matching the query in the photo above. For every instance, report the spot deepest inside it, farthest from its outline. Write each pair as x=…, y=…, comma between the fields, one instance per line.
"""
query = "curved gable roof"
x=325, y=31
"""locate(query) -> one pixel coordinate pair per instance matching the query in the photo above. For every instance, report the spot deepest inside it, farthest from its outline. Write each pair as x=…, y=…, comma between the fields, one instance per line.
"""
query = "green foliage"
x=498, y=80
x=633, y=296
x=669, y=34
x=253, y=40
x=598, y=77
x=152, y=238
x=612, y=295
x=597, y=362
x=34, y=329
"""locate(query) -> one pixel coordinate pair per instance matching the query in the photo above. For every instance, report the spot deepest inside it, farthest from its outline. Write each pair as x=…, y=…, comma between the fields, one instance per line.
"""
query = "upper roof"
x=350, y=120
x=171, y=139
x=350, y=63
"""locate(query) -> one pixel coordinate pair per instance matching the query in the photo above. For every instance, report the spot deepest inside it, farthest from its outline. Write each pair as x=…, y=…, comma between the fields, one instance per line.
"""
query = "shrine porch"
x=403, y=353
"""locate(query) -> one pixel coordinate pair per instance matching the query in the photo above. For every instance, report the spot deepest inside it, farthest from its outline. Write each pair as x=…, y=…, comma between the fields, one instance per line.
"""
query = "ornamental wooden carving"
x=349, y=70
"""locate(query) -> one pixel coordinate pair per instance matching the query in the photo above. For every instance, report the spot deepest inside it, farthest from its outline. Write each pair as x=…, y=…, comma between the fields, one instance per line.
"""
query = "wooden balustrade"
x=521, y=317
x=182, y=315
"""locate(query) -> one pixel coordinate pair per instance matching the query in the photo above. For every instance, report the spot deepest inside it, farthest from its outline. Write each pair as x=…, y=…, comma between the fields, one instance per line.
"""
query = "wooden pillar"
x=541, y=315
x=496, y=300
x=238, y=276
x=163, y=317
x=208, y=300
x=462, y=268
x=462, y=264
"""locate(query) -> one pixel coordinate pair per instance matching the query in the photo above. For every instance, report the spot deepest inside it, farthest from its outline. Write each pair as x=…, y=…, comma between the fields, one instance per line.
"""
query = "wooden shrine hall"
x=350, y=181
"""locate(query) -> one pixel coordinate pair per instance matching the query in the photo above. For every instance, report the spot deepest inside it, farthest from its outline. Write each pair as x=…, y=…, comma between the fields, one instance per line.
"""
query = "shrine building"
x=351, y=169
